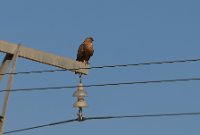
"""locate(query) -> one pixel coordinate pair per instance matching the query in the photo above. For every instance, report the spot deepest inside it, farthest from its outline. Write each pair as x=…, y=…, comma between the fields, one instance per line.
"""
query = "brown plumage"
x=85, y=50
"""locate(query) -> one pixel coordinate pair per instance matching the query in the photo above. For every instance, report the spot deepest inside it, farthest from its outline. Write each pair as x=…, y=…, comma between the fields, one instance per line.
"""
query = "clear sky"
x=125, y=31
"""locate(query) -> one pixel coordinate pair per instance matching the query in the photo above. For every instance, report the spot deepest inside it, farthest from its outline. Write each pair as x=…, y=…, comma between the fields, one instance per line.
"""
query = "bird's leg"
x=85, y=62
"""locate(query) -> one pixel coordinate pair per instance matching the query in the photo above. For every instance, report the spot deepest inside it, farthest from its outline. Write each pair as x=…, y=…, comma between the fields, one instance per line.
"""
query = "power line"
x=102, y=85
x=105, y=118
x=107, y=66
x=141, y=116
x=40, y=126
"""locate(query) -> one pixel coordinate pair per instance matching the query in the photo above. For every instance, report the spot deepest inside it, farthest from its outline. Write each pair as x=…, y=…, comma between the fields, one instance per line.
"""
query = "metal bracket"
x=80, y=115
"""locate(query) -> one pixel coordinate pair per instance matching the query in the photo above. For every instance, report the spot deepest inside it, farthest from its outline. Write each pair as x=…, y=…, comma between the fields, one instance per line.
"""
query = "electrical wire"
x=102, y=85
x=140, y=116
x=105, y=118
x=107, y=66
x=40, y=126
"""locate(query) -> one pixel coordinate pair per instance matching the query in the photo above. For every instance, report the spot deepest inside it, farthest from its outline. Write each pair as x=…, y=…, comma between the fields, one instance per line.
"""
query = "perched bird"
x=85, y=50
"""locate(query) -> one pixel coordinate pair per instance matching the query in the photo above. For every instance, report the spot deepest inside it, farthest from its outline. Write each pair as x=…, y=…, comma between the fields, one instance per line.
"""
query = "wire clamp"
x=80, y=115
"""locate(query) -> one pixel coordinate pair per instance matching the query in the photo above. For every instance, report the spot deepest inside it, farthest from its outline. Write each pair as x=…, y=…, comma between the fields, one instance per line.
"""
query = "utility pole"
x=13, y=51
x=8, y=88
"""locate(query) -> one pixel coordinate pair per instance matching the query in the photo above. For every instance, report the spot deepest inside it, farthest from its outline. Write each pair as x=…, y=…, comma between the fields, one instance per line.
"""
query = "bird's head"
x=88, y=40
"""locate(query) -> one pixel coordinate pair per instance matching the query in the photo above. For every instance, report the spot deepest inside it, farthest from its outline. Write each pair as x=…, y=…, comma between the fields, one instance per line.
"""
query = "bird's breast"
x=89, y=48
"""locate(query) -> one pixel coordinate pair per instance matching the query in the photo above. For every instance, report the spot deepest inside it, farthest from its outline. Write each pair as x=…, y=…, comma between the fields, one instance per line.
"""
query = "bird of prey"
x=85, y=50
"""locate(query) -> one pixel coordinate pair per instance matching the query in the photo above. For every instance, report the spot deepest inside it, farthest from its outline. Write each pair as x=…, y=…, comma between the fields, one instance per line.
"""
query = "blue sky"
x=125, y=31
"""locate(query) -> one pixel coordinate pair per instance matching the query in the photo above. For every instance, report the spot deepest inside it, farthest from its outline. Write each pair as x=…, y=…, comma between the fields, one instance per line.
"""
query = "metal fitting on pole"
x=1, y=118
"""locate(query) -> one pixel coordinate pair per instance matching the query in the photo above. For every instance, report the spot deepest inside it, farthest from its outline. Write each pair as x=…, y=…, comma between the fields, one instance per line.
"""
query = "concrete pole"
x=8, y=88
